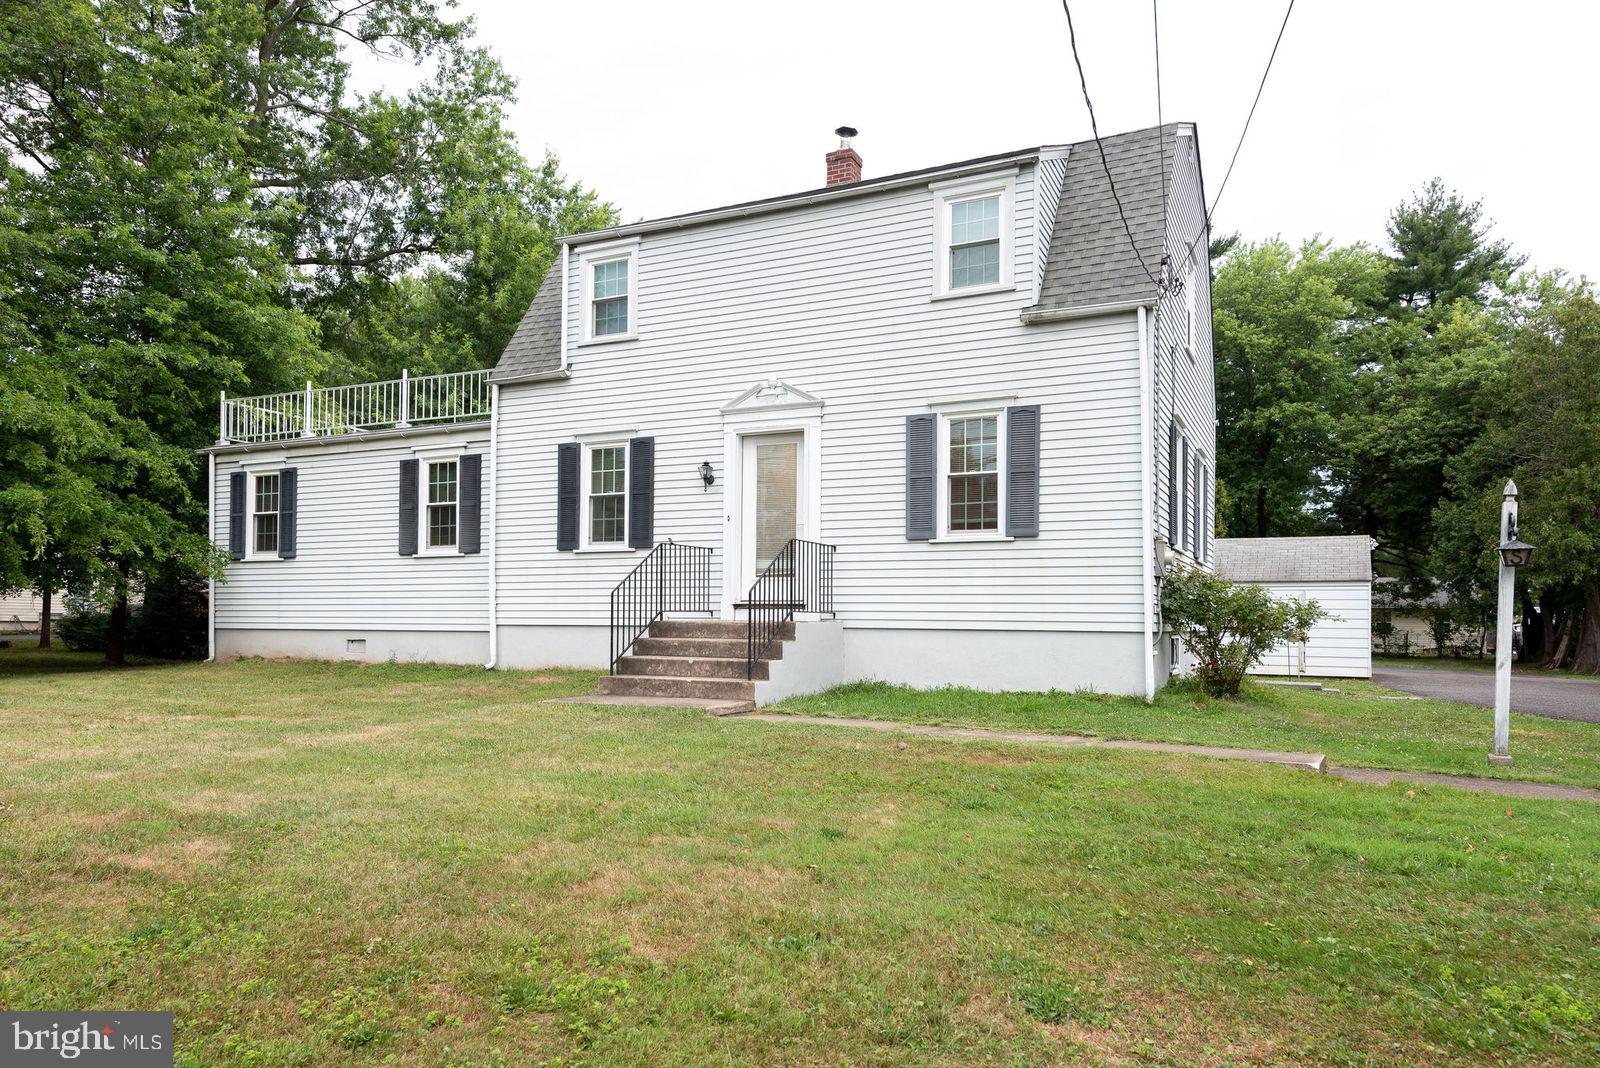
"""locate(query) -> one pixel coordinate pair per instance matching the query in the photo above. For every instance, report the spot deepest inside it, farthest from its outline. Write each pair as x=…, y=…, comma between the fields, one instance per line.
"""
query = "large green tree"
x=1442, y=251
x=1288, y=330
x=194, y=198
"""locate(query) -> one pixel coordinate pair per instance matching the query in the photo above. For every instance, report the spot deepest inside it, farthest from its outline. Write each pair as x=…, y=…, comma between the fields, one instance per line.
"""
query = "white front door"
x=773, y=491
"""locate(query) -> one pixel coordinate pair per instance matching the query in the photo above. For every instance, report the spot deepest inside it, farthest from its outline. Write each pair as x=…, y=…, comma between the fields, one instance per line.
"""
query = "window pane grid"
x=610, y=298
x=974, y=474
x=442, y=487
x=975, y=265
x=266, y=514
x=607, y=481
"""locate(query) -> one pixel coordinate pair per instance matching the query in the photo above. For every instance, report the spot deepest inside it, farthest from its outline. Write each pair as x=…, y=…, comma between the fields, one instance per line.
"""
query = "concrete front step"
x=676, y=686
x=687, y=667
x=706, y=628
x=722, y=647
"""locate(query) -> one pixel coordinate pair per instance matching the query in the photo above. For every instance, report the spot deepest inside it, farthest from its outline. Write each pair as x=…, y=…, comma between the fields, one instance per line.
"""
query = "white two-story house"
x=933, y=428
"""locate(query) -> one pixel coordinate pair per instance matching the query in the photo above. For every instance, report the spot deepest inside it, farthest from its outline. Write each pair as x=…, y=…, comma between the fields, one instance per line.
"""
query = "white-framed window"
x=609, y=276
x=972, y=235
x=441, y=482
x=264, y=499
x=1177, y=485
x=971, y=489
x=605, y=495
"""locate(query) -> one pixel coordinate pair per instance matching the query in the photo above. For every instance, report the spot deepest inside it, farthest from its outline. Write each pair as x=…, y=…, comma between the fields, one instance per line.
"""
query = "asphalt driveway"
x=1537, y=695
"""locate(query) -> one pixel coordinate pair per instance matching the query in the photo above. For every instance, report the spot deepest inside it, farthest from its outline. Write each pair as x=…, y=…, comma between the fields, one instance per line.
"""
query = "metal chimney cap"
x=845, y=133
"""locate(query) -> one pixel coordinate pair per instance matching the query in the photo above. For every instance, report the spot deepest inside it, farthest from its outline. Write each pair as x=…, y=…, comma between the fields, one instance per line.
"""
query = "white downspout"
x=211, y=535
x=565, y=249
x=494, y=526
x=1146, y=509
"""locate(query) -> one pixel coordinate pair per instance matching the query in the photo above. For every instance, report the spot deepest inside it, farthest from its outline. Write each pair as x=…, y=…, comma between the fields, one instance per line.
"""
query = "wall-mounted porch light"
x=707, y=475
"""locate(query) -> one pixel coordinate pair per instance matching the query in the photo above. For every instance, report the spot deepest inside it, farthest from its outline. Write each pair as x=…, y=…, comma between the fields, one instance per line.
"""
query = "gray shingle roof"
x=1345, y=558
x=1091, y=261
x=535, y=346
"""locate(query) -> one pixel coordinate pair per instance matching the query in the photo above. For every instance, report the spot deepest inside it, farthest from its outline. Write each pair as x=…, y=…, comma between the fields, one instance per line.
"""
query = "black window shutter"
x=470, y=538
x=567, y=456
x=641, y=493
x=919, y=476
x=1022, y=471
x=1172, y=483
x=288, y=505
x=236, y=490
x=409, y=477
x=1204, y=532
x=1188, y=498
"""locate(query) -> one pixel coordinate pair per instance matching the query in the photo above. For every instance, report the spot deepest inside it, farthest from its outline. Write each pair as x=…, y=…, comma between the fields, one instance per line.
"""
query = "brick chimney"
x=843, y=163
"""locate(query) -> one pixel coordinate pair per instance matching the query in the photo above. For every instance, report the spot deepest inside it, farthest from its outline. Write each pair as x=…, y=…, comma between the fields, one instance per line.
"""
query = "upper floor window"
x=610, y=300
x=608, y=278
x=975, y=242
x=443, y=483
x=264, y=521
x=972, y=232
x=1189, y=304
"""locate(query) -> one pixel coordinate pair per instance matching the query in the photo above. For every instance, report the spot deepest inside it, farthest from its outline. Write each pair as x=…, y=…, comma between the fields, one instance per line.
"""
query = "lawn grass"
x=313, y=863
x=1353, y=726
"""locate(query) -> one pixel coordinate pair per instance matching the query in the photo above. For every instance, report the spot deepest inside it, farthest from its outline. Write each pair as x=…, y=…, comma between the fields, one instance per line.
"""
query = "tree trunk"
x=1560, y=655
x=1586, y=661
x=44, y=615
x=1261, y=511
x=117, y=630
x=1532, y=637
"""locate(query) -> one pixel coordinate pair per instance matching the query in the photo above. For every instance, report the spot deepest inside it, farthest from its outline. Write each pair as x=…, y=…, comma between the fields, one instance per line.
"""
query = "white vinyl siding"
x=1340, y=647
x=348, y=574
x=1183, y=388
x=834, y=299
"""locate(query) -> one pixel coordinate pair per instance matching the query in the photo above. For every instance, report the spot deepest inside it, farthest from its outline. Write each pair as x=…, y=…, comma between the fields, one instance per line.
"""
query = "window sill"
x=975, y=291
x=609, y=339
x=605, y=549
x=437, y=554
x=968, y=539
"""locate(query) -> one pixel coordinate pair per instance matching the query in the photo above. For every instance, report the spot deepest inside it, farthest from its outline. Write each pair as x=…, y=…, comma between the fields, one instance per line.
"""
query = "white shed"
x=1335, y=572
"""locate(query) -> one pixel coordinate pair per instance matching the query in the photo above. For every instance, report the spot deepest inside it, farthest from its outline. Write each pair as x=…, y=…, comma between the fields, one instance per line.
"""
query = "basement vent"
x=355, y=648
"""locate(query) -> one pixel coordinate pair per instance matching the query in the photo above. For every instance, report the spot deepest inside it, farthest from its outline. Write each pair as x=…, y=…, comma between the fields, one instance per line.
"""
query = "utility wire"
x=1161, y=134
x=1285, y=25
x=1095, y=129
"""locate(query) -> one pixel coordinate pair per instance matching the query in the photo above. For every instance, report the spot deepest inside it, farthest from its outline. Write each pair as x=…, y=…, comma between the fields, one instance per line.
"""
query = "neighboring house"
x=1335, y=572
x=21, y=610
x=1410, y=631
x=927, y=427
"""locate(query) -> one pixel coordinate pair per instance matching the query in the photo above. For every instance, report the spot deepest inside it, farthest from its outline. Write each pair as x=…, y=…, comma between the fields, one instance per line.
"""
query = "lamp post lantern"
x=1514, y=553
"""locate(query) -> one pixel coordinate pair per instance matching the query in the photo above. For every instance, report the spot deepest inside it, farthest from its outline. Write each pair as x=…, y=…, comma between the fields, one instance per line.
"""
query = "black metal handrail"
x=799, y=579
x=674, y=577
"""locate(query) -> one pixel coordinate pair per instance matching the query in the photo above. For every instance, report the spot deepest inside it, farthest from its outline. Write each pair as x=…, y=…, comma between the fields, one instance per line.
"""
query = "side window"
x=443, y=487
x=264, y=516
x=973, y=477
x=972, y=223
x=975, y=242
x=606, y=485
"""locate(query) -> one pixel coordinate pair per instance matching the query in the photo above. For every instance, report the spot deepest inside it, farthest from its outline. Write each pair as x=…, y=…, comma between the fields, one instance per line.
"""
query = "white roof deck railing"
x=331, y=410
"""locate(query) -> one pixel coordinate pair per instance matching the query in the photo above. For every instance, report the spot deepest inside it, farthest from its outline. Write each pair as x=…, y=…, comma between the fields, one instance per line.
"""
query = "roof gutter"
x=800, y=200
x=290, y=444
x=537, y=376
x=1085, y=311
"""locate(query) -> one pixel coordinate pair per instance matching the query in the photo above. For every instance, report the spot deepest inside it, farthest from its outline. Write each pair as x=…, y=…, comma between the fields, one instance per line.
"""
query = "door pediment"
x=771, y=395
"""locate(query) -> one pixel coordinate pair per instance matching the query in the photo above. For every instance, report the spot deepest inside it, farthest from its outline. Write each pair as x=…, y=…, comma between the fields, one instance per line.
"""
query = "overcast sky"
x=667, y=107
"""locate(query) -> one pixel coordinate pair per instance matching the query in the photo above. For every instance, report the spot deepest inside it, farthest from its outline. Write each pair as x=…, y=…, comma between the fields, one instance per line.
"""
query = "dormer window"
x=975, y=242
x=609, y=275
x=610, y=302
x=972, y=232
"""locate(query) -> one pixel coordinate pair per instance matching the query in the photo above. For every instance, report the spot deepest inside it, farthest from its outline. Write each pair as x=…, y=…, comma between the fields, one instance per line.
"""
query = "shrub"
x=168, y=624
x=1228, y=626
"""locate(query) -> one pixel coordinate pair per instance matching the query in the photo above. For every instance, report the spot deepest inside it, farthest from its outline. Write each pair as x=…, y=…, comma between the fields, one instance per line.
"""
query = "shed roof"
x=1344, y=558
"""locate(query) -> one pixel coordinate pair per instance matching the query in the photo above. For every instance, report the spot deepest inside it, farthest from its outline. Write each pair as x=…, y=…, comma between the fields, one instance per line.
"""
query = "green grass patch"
x=313, y=863
x=1355, y=726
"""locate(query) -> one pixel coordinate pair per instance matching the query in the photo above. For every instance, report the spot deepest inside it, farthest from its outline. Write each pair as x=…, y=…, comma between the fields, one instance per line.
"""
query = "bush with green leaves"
x=1228, y=626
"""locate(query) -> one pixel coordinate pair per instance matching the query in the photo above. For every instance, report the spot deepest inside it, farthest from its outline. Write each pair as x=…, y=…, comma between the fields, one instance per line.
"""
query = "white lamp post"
x=1514, y=553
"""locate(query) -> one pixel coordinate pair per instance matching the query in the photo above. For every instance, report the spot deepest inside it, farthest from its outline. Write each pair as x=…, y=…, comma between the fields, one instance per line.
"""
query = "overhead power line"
x=1095, y=129
x=1161, y=133
x=1285, y=25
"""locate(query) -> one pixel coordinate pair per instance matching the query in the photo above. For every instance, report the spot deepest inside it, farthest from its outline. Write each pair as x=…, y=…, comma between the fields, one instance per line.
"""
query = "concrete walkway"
x=1535, y=695
x=1305, y=761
